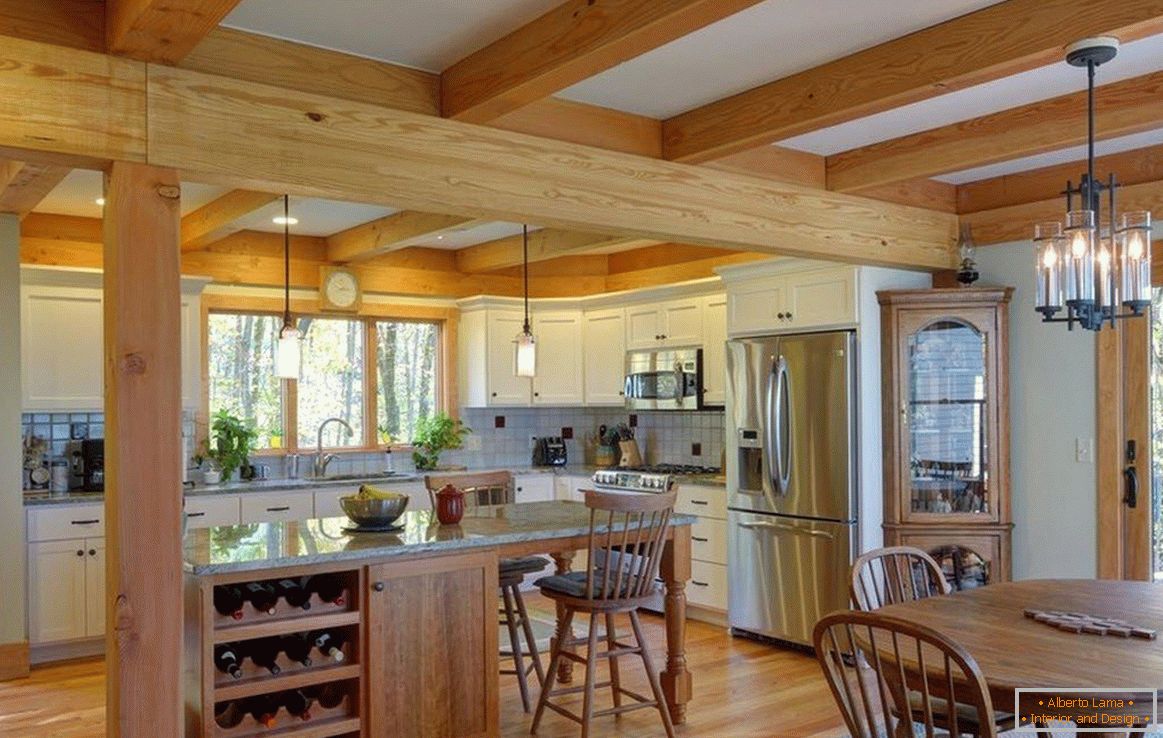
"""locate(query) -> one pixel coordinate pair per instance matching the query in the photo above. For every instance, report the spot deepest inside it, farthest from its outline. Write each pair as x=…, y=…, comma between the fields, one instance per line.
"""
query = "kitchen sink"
x=366, y=478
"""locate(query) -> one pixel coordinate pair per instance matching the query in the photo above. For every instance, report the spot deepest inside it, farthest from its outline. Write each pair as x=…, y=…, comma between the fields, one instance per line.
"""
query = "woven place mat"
x=1080, y=622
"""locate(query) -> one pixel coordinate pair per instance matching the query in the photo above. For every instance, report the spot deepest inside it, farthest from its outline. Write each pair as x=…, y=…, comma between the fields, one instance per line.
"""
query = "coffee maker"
x=93, y=465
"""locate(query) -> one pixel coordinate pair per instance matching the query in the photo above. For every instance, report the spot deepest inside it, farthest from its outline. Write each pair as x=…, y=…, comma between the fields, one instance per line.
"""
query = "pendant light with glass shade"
x=289, y=353
x=525, y=361
x=1096, y=275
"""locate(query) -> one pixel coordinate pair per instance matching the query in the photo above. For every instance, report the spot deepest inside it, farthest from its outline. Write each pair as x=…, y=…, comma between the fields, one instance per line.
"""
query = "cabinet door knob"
x=92, y=552
x=657, y=337
x=537, y=394
x=378, y=586
x=780, y=316
x=664, y=336
x=789, y=316
x=80, y=552
x=494, y=394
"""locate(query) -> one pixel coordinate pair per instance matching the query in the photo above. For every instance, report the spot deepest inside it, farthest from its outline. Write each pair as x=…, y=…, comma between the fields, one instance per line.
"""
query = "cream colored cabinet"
x=57, y=604
x=62, y=349
x=708, y=584
x=793, y=301
x=486, y=359
x=211, y=511
x=191, y=317
x=534, y=487
x=271, y=507
x=667, y=324
x=559, y=378
x=94, y=587
x=715, y=350
x=569, y=487
x=604, y=356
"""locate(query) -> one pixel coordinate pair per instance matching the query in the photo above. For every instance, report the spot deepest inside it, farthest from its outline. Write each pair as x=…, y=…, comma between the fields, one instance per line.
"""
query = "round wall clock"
x=340, y=290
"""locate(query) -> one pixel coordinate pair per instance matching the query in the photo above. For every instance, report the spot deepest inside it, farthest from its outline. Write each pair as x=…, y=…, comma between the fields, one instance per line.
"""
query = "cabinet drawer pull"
x=195, y=515
x=696, y=582
x=378, y=586
x=699, y=539
x=94, y=521
x=699, y=502
x=284, y=508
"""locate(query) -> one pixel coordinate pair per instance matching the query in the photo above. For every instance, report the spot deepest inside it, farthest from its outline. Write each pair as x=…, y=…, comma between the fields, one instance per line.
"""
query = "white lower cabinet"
x=271, y=507
x=569, y=487
x=708, y=584
x=534, y=487
x=94, y=587
x=57, y=598
x=212, y=511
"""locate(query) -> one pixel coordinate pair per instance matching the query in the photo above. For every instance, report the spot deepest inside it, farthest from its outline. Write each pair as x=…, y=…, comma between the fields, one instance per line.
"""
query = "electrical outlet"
x=1084, y=450
x=472, y=442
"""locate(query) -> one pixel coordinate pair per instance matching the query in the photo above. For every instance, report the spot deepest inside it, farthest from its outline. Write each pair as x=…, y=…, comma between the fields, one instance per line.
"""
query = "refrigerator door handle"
x=783, y=527
x=770, y=479
x=782, y=470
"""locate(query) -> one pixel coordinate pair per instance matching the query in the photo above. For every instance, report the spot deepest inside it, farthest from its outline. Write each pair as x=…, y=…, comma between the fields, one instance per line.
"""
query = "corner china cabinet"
x=946, y=428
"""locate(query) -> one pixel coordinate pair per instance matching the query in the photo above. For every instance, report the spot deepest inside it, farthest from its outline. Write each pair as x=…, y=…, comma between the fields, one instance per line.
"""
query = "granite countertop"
x=260, y=546
x=43, y=497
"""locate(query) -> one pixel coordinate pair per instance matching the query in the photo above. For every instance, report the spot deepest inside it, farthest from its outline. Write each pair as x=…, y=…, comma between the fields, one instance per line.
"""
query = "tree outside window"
x=331, y=381
x=407, y=360
x=240, y=359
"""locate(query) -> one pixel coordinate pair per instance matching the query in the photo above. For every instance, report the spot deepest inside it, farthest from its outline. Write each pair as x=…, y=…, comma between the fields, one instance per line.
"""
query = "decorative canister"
x=449, y=505
x=606, y=455
x=59, y=471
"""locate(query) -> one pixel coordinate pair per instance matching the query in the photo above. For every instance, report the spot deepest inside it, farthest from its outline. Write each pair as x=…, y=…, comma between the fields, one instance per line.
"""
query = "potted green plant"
x=275, y=435
x=230, y=444
x=433, y=435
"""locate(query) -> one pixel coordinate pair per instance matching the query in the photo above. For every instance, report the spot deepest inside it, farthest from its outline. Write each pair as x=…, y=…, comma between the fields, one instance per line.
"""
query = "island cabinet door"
x=432, y=647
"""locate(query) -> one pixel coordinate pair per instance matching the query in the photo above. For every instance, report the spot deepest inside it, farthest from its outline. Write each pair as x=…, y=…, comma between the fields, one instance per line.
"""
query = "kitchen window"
x=379, y=375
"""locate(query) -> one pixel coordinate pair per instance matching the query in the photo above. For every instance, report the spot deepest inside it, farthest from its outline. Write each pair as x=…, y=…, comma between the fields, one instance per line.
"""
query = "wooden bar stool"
x=627, y=536
x=496, y=488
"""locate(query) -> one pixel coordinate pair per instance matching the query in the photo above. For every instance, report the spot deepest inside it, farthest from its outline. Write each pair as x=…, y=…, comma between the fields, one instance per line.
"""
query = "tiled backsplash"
x=670, y=437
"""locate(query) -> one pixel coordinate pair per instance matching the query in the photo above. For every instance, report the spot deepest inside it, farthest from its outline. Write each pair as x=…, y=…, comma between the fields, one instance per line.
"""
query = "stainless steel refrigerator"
x=791, y=481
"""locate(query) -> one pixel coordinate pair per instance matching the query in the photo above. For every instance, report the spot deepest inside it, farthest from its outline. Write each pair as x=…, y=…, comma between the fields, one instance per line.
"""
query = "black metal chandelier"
x=1098, y=274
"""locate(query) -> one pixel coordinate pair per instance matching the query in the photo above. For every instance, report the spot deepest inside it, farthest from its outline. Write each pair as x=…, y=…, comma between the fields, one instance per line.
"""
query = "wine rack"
x=209, y=689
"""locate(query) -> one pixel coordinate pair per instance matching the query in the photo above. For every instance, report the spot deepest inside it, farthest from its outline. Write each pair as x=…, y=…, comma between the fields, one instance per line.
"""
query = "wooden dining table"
x=1015, y=651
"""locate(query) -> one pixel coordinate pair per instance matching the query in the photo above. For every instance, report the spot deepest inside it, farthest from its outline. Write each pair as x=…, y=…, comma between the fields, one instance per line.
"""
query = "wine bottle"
x=330, y=644
x=263, y=708
x=294, y=593
x=264, y=652
x=228, y=661
x=228, y=714
x=298, y=647
x=228, y=601
x=329, y=589
x=262, y=596
x=328, y=695
x=297, y=704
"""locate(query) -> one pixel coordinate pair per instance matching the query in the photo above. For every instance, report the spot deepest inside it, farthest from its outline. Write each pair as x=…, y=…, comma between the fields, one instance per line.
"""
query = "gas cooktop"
x=672, y=469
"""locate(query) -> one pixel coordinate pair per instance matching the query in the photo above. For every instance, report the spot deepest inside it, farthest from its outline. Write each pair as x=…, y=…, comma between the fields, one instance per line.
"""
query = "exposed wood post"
x=143, y=485
x=13, y=646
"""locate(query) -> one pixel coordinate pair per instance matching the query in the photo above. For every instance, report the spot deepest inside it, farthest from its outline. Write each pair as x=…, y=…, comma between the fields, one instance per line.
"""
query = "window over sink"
x=380, y=375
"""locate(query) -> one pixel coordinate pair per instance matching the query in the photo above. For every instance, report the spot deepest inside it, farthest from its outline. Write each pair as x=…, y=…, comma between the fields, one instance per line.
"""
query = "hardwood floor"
x=742, y=690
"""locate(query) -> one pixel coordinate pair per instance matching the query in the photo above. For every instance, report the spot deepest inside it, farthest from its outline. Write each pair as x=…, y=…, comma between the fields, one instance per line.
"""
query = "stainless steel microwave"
x=670, y=379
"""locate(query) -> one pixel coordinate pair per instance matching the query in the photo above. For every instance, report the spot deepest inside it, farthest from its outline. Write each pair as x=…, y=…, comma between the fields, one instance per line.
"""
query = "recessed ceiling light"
x=440, y=238
x=280, y=220
x=100, y=201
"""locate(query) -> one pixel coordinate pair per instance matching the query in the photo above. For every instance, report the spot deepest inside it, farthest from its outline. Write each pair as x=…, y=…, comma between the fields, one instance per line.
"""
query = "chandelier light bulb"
x=1135, y=246
x=1078, y=245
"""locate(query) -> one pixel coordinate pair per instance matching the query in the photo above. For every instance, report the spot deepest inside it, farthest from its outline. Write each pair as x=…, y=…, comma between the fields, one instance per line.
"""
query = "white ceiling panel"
x=768, y=41
x=1062, y=156
x=316, y=217
x=425, y=34
x=465, y=237
x=78, y=192
x=1134, y=59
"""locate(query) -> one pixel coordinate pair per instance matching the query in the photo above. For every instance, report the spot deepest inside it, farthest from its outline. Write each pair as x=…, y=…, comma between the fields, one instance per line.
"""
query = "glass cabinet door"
x=946, y=413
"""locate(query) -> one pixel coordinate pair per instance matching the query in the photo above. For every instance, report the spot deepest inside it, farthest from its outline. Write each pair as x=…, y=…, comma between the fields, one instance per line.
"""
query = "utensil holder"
x=606, y=456
x=630, y=453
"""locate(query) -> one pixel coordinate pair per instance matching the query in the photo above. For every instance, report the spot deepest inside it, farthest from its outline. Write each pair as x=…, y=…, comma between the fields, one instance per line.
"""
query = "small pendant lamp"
x=526, y=359
x=289, y=352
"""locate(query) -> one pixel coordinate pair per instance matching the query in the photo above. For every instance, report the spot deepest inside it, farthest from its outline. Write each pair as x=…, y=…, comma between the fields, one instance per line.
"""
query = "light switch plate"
x=1084, y=450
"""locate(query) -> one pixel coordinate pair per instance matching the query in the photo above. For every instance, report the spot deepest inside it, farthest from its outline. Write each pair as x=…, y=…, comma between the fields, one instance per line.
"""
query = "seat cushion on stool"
x=574, y=582
x=523, y=565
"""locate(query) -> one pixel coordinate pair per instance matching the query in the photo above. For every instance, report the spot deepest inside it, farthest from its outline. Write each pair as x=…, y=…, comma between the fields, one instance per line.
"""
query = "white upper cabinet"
x=486, y=359
x=62, y=340
x=793, y=301
x=715, y=350
x=665, y=324
x=62, y=348
x=559, y=379
x=604, y=356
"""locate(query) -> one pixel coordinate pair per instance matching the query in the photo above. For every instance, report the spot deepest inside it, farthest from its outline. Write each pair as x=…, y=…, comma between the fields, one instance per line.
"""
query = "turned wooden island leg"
x=675, y=571
x=563, y=561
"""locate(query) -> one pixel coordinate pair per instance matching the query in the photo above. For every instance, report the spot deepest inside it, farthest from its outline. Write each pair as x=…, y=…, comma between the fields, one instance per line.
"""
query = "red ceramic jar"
x=449, y=505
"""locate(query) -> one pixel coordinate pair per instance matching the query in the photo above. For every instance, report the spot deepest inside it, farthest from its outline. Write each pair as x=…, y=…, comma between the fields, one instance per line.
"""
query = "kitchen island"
x=417, y=615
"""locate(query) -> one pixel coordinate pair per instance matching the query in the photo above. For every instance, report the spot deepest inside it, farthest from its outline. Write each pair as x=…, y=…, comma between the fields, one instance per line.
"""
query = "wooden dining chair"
x=496, y=488
x=627, y=537
x=903, y=659
x=886, y=576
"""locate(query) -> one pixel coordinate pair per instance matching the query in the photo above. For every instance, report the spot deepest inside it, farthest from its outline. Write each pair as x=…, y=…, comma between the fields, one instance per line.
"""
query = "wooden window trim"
x=445, y=318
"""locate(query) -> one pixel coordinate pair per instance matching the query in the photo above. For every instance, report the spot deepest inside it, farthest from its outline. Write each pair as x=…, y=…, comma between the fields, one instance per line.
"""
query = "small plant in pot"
x=433, y=435
x=230, y=444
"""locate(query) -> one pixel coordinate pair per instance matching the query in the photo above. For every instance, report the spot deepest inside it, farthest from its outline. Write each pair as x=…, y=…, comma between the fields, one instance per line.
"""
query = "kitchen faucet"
x=321, y=460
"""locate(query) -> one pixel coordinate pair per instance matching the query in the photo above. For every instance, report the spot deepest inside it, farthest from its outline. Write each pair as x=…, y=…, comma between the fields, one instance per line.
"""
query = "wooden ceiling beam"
x=1122, y=108
x=544, y=244
x=79, y=24
x=1131, y=167
x=391, y=233
x=570, y=43
x=161, y=30
x=995, y=42
x=26, y=184
x=218, y=219
x=1016, y=222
